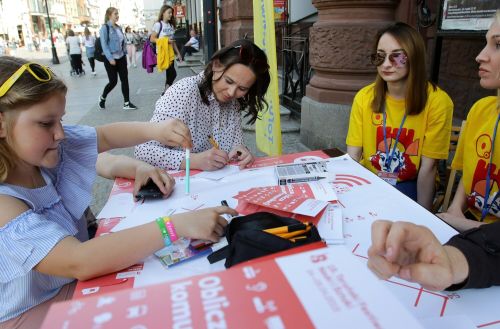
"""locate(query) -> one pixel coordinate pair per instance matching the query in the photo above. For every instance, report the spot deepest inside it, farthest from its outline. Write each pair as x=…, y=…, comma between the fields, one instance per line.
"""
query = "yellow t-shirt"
x=427, y=133
x=473, y=156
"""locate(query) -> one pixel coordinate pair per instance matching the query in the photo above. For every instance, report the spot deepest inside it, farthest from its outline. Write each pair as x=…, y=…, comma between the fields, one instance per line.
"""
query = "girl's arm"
x=355, y=152
x=113, y=252
x=426, y=182
x=170, y=132
x=455, y=213
x=112, y=166
x=174, y=44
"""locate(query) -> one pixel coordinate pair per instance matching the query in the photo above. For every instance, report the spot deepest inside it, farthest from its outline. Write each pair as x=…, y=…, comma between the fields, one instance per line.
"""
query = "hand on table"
x=242, y=155
x=458, y=220
x=145, y=171
x=209, y=160
x=173, y=132
x=205, y=224
x=413, y=253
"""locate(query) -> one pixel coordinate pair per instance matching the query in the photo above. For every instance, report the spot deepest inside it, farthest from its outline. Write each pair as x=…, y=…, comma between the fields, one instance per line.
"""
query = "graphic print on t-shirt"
x=400, y=161
x=478, y=187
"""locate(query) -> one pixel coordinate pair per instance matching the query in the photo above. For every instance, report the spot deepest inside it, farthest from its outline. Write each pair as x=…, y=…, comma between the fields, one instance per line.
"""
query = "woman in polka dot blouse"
x=210, y=104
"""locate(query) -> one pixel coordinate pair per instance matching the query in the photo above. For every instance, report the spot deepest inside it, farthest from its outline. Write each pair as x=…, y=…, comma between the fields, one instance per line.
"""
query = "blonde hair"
x=108, y=13
x=26, y=91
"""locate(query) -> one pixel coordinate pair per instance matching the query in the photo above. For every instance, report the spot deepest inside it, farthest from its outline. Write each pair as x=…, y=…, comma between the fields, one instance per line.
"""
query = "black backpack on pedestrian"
x=98, y=53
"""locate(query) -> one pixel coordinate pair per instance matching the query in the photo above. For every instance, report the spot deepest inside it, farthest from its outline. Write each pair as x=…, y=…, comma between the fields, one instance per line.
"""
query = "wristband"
x=164, y=231
x=171, y=229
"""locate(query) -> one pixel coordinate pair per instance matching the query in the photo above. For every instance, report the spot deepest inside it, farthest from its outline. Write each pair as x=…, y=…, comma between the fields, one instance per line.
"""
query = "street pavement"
x=145, y=89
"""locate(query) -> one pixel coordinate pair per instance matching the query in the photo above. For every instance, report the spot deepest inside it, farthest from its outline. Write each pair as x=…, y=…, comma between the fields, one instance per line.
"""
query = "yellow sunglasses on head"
x=41, y=73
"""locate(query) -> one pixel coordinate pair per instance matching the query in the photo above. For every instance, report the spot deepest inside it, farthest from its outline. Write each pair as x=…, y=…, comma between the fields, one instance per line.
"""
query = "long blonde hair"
x=26, y=92
x=108, y=13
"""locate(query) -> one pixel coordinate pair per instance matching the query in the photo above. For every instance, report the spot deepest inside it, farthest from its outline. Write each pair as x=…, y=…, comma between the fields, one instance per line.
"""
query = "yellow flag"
x=268, y=128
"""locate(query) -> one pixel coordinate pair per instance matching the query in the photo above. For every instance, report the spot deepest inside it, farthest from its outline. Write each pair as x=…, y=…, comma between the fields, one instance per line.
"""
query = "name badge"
x=389, y=177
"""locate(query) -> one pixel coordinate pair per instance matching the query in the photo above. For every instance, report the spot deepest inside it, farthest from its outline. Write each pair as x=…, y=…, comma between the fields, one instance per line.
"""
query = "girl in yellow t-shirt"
x=400, y=124
x=478, y=156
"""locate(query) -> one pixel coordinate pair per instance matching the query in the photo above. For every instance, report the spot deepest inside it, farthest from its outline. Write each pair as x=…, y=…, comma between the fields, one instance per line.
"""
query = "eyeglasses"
x=39, y=72
x=397, y=58
x=247, y=57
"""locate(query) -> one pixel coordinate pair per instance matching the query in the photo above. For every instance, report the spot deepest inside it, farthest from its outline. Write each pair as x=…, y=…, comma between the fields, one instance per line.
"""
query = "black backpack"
x=247, y=240
x=98, y=53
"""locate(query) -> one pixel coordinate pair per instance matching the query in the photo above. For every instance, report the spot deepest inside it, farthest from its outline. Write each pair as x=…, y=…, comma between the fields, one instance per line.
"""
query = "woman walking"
x=89, y=42
x=165, y=27
x=130, y=40
x=113, y=45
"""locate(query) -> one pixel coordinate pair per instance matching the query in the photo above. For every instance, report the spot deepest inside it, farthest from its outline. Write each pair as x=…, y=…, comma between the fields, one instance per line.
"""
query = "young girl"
x=234, y=81
x=400, y=124
x=46, y=176
x=478, y=154
x=165, y=27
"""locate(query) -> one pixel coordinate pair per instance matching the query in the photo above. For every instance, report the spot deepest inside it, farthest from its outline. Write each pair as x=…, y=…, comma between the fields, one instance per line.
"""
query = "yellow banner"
x=268, y=129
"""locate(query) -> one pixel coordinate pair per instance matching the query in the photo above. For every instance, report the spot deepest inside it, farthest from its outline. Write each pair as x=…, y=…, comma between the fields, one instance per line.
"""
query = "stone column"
x=237, y=20
x=340, y=43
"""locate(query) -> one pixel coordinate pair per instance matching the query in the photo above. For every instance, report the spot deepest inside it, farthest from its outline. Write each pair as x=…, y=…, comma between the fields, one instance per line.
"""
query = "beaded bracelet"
x=171, y=229
x=164, y=231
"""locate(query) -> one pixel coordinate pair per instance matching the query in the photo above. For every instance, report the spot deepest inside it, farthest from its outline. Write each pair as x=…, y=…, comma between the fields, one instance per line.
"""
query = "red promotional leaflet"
x=110, y=282
x=289, y=158
x=323, y=288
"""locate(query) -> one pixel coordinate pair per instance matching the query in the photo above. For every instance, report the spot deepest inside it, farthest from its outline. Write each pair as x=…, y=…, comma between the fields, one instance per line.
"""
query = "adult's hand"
x=206, y=224
x=173, y=132
x=145, y=172
x=112, y=62
x=413, y=253
x=209, y=160
x=242, y=155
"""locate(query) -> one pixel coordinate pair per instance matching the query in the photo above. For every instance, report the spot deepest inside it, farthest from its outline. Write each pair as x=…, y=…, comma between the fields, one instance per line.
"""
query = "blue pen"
x=188, y=156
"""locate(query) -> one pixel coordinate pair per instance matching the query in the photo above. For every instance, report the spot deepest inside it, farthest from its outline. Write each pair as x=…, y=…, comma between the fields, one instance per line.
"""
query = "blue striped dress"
x=56, y=211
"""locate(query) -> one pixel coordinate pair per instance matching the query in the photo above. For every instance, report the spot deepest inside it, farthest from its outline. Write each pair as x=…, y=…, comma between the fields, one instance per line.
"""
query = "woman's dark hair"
x=163, y=9
x=247, y=53
x=127, y=29
x=71, y=33
x=416, y=88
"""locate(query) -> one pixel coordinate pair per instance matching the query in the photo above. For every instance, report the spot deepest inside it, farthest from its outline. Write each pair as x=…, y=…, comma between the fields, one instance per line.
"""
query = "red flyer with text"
x=323, y=288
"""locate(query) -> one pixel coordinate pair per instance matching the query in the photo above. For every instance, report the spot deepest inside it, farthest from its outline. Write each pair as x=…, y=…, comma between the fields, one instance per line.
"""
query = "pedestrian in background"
x=75, y=52
x=89, y=42
x=113, y=45
x=130, y=41
x=165, y=27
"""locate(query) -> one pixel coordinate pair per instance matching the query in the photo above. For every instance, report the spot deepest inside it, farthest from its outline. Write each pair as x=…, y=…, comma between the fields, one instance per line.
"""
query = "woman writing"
x=400, y=124
x=115, y=63
x=46, y=176
x=165, y=27
x=210, y=104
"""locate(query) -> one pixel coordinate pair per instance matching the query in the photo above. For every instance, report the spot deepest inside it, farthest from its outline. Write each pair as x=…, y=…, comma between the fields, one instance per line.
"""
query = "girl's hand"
x=242, y=155
x=209, y=160
x=173, y=132
x=112, y=62
x=205, y=224
x=145, y=171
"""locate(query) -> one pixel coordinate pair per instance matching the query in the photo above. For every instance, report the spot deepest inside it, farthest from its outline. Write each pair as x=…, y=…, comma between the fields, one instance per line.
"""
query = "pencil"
x=213, y=142
x=294, y=234
x=287, y=229
x=188, y=158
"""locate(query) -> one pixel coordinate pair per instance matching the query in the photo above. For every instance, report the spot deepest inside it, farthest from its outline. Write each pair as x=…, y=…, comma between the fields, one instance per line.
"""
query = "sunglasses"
x=247, y=57
x=397, y=58
x=39, y=72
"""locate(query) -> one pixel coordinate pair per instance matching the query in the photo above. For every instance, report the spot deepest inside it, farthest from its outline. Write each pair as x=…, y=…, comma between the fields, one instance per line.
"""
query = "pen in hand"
x=213, y=142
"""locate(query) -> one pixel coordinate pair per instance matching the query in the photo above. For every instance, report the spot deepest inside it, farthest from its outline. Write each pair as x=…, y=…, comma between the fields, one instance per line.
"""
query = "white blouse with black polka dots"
x=183, y=101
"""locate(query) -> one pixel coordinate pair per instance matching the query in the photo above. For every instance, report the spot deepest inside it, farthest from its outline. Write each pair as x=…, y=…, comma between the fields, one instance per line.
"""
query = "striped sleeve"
x=25, y=241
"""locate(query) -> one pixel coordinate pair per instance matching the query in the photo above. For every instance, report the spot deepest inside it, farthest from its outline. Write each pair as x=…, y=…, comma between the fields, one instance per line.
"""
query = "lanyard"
x=389, y=157
x=486, y=207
